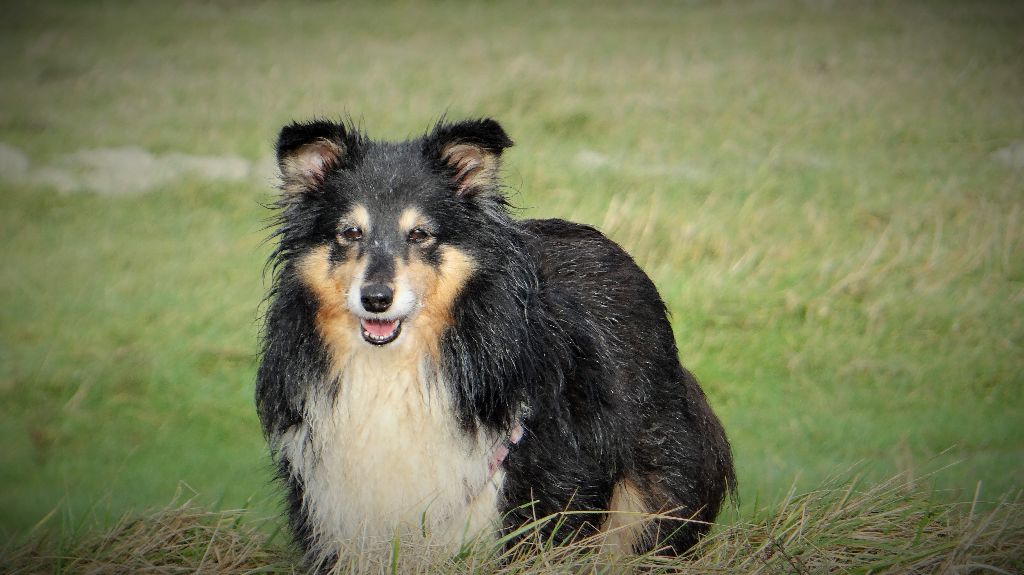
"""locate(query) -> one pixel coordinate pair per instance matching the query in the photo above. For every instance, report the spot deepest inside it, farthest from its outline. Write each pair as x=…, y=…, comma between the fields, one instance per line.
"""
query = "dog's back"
x=630, y=429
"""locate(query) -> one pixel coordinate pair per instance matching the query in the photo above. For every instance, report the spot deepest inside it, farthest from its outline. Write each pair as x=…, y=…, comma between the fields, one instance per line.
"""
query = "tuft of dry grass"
x=181, y=538
x=894, y=527
x=843, y=527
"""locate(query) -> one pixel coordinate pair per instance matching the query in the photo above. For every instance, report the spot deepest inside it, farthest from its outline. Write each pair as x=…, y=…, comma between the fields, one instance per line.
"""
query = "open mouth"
x=380, y=332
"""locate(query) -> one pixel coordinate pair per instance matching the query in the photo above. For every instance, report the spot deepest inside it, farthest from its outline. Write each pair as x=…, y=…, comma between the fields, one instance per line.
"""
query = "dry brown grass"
x=892, y=527
x=179, y=539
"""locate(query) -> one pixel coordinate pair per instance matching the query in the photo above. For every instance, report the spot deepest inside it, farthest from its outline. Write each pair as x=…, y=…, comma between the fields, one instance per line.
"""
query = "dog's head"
x=385, y=235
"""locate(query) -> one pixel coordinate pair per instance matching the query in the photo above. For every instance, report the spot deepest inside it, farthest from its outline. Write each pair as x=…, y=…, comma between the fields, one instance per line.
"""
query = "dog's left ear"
x=469, y=154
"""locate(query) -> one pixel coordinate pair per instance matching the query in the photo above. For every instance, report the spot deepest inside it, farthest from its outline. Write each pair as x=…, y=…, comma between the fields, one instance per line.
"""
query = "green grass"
x=815, y=187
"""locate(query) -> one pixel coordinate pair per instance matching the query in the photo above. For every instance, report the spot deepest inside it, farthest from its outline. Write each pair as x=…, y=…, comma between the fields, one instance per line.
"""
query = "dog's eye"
x=418, y=235
x=352, y=234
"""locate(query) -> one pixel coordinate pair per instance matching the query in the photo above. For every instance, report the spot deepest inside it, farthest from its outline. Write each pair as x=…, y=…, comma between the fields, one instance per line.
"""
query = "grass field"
x=830, y=198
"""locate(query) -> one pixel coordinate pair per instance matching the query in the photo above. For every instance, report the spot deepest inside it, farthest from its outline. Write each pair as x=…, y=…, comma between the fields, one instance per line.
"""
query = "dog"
x=432, y=367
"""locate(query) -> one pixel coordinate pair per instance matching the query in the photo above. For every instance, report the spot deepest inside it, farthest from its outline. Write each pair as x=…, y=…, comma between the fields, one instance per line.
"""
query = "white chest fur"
x=386, y=457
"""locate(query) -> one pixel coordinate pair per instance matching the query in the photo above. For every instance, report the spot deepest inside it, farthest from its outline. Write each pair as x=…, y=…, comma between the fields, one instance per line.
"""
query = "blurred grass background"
x=828, y=195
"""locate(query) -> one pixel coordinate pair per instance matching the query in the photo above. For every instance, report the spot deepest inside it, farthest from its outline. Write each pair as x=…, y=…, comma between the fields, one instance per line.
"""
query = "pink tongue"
x=378, y=328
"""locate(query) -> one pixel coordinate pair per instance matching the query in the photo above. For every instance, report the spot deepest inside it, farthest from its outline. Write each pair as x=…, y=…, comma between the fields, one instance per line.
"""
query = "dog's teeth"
x=380, y=331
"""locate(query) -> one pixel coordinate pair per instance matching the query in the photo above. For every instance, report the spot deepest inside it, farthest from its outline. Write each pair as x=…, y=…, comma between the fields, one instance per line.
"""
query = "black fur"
x=558, y=320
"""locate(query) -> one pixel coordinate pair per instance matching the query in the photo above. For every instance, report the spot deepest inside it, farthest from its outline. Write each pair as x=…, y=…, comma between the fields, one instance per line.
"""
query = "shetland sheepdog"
x=433, y=368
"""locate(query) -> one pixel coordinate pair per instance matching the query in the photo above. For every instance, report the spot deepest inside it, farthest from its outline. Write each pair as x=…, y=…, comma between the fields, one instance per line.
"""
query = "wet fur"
x=543, y=323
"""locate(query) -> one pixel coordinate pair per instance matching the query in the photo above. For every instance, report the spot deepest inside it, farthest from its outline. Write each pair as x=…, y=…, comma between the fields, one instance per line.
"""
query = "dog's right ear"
x=307, y=151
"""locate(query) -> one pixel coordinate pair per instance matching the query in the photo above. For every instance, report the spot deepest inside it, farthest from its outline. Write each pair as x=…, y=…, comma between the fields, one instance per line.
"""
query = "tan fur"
x=338, y=328
x=439, y=295
x=387, y=450
x=359, y=217
x=409, y=219
x=628, y=517
x=475, y=168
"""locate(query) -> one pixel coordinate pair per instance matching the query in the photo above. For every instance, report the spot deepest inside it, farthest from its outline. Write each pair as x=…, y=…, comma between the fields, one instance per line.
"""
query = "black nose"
x=376, y=297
